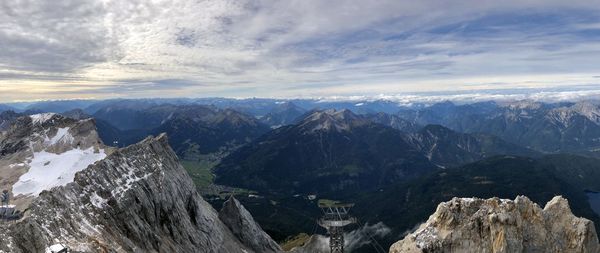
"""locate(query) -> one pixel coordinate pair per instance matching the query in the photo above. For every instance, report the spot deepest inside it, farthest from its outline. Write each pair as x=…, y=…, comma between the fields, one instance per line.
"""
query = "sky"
x=97, y=49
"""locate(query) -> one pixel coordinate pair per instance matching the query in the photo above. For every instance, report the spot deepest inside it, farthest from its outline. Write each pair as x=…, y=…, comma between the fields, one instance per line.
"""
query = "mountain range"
x=334, y=151
x=550, y=128
x=193, y=129
x=328, y=151
x=282, y=155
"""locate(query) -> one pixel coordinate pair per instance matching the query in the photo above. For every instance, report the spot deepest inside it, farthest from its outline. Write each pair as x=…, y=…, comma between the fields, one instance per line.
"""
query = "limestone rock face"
x=137, y=199
x=43, y=150
x=243, y=226
x=499, y=225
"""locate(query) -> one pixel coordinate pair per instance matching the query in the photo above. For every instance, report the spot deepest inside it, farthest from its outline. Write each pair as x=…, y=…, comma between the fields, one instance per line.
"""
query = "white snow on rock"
x=127, y=182
x=48, y=170
x=62, y=136
x=41, y=118
x=97, y=201
x=56, y=248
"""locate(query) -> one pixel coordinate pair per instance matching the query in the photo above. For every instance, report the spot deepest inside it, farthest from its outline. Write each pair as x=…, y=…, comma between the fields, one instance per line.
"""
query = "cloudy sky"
x=287, y=48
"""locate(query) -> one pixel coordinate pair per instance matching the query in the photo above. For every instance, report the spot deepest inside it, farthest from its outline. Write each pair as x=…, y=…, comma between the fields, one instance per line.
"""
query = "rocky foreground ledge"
x=500, y=225
x=137, y=199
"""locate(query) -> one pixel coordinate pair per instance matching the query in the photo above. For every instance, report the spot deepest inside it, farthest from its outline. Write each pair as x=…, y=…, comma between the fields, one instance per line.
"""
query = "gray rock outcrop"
x=47, y=136
x=137, y=199
x=243, y=226
x=499, y=225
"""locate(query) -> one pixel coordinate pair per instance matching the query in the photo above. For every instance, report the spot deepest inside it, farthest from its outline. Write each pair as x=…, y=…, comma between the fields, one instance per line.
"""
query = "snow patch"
x=56, y=248
x=16, y=165
x=41, y=118
x=127, y=182
x=62, y=136
x=97, y=201
x=48, y=170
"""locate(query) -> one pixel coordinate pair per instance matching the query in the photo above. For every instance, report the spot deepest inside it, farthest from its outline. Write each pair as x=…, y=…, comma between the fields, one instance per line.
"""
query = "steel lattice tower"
x=335, y=218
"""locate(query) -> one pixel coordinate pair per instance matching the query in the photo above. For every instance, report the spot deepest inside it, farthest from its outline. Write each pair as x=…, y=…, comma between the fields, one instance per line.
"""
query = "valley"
x=280, y=168
x=312, y=126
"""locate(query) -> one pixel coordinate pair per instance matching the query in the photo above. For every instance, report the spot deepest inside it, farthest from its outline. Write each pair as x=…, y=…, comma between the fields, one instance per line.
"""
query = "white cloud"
x=290, y=48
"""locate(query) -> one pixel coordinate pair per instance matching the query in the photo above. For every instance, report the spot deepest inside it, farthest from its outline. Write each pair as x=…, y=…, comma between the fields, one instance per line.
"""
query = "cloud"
x=551, y=95
x=293, y=48
x=51, y=36
x=367, y=234
x=353, y=240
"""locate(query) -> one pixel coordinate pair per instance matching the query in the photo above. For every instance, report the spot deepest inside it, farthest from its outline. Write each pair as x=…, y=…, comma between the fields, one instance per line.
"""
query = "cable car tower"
x=335, y=218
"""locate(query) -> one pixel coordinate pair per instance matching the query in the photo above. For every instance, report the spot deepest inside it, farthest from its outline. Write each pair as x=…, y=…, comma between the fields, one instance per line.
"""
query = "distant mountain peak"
x=284, y=113
x=286, y=105
x=564, y=115
x=523, y=105
x=589, y=110
x=331, y=119
x=76, y=114
x=41, y=118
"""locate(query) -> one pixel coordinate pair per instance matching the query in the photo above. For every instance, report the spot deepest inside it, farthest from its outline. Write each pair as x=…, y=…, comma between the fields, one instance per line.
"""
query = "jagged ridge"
x=500, y=225
x=138, y=199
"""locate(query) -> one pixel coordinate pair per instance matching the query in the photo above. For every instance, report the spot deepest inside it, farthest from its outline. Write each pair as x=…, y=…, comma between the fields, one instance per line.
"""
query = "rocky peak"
x=137, y=199
x=286, y=106
x=563, y=116
x=77, y=114
x=42, y=118
x=284, y=113
x=243, y=226
x=589, y=110
x=393, y=121
x=521, y=110
x=523, y=105
x=501, y=225
x=42, y=151
x=235, y=118
x=337, y=120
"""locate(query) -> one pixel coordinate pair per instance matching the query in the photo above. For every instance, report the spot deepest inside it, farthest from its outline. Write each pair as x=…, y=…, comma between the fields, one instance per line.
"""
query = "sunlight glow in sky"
x=294, y=48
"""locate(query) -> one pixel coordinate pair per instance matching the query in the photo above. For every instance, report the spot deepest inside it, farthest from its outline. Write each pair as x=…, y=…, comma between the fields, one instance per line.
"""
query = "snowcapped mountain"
x=90, y=198
x=42, y=151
